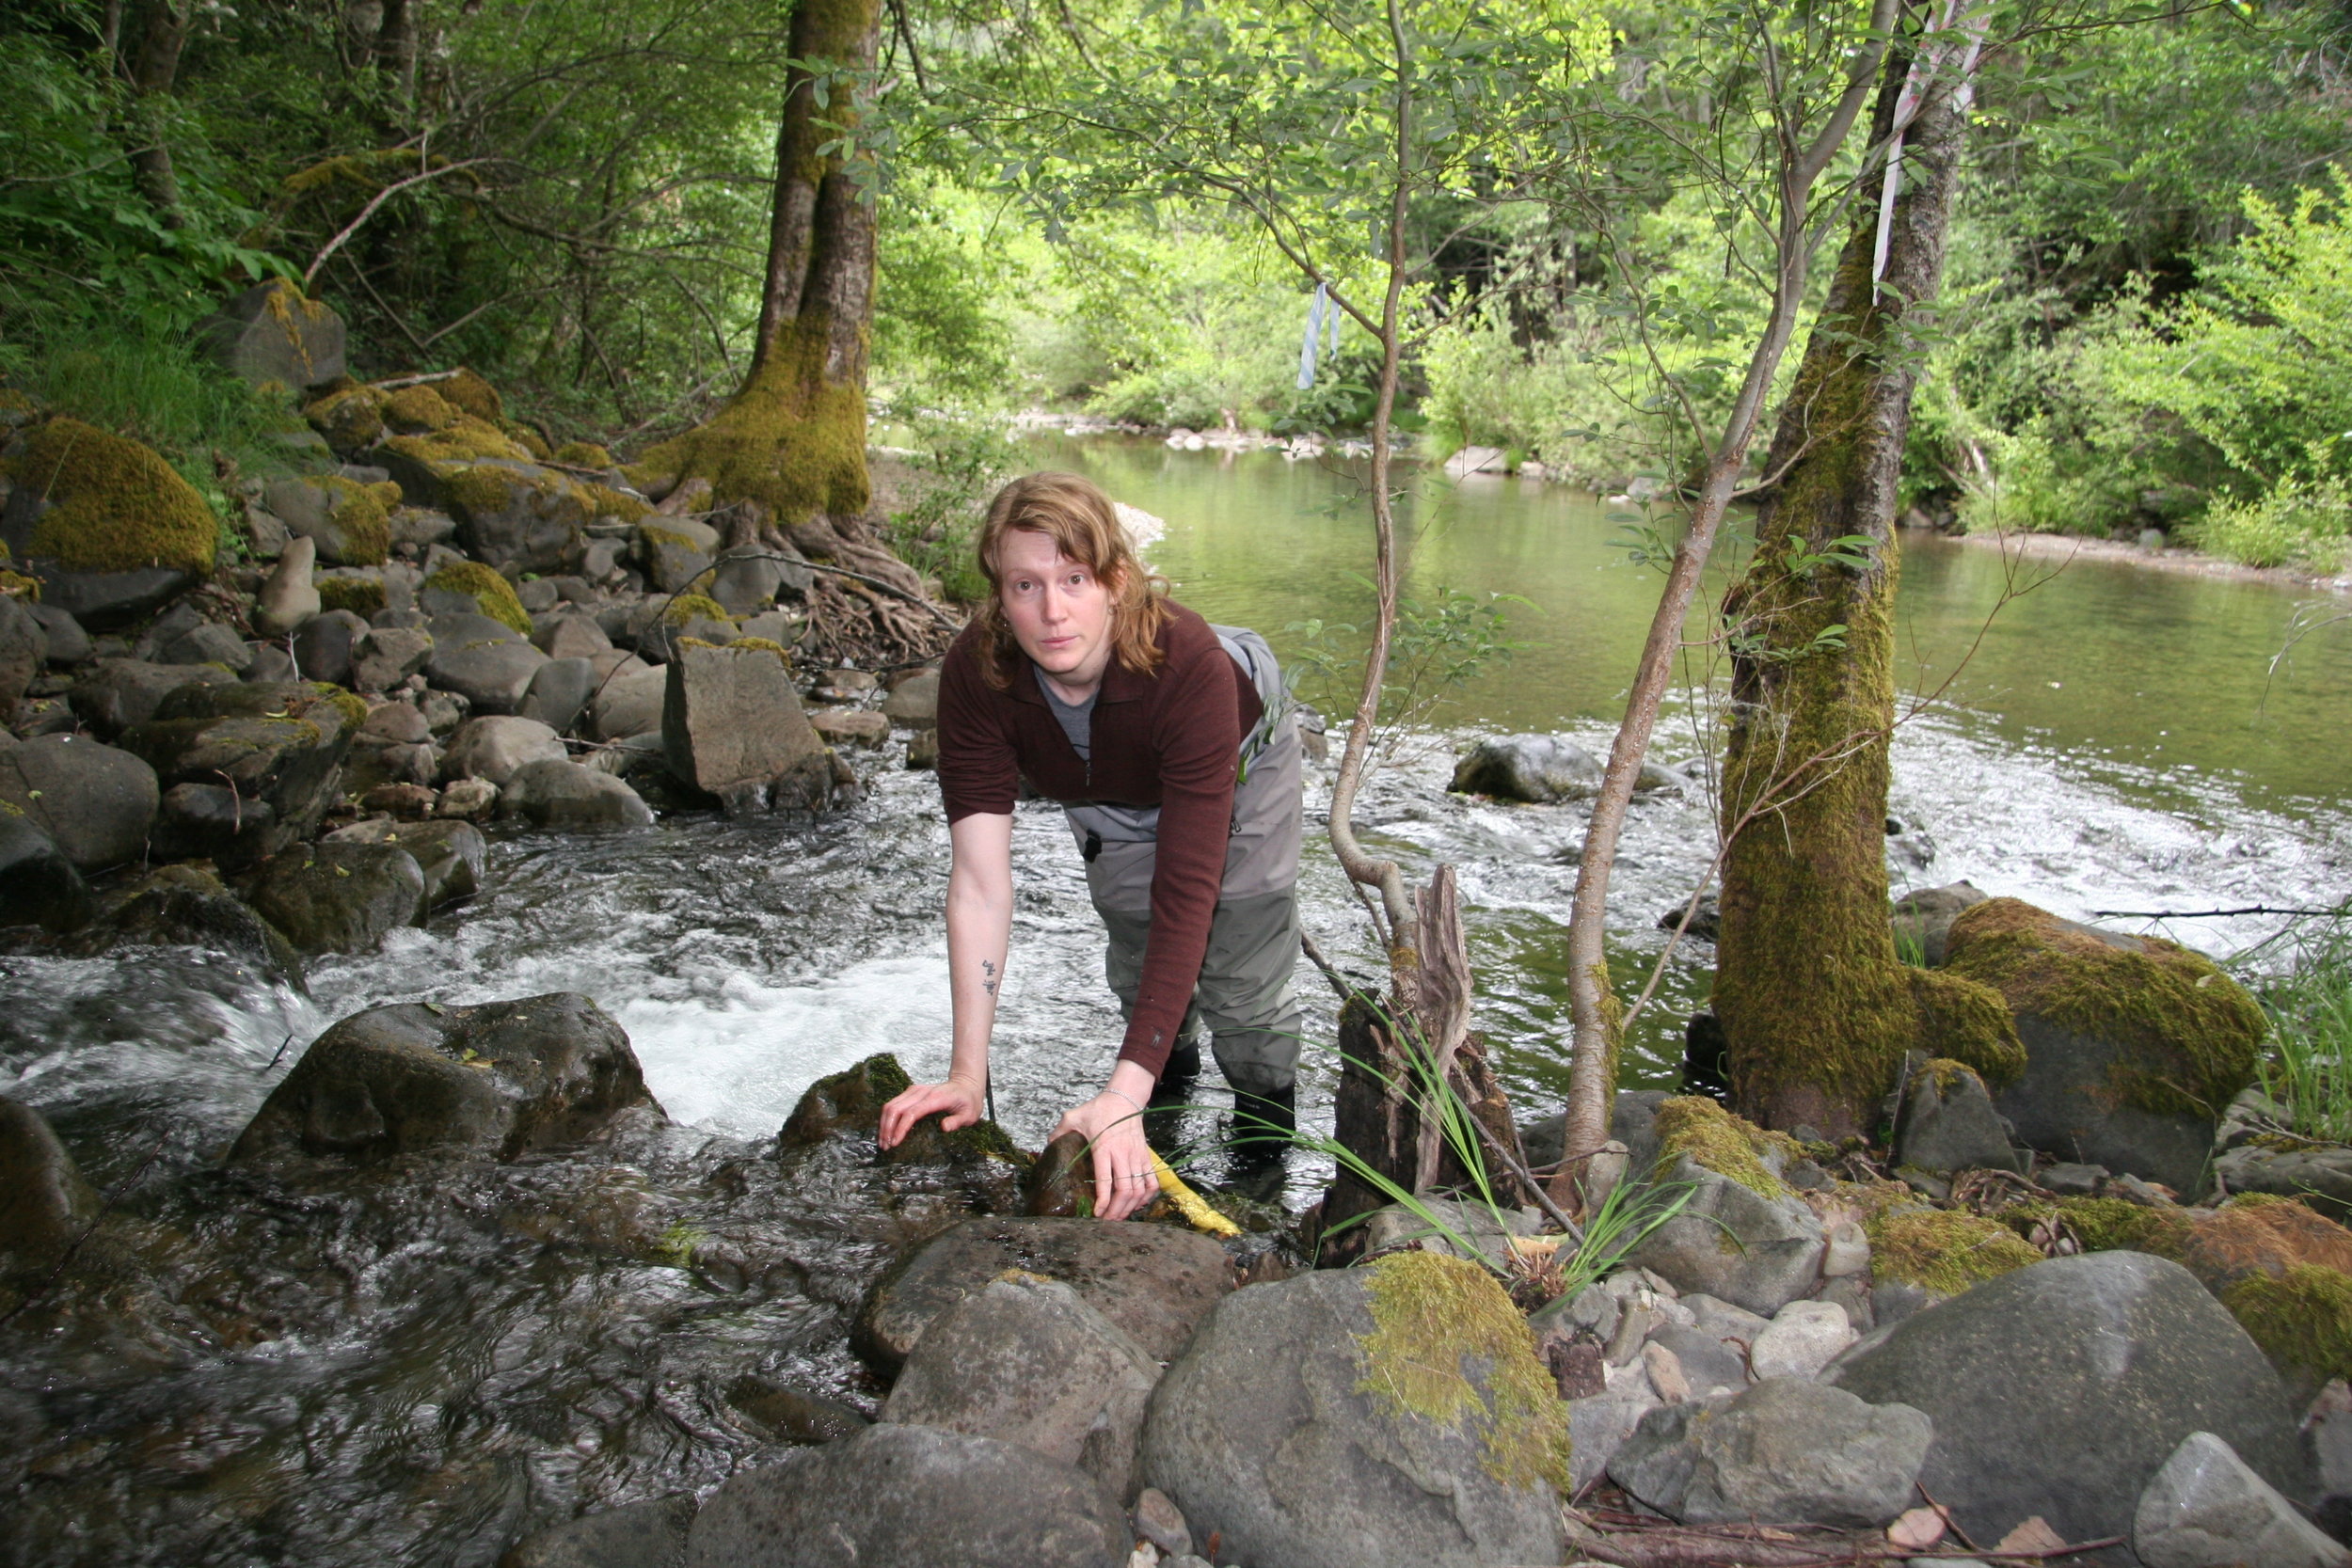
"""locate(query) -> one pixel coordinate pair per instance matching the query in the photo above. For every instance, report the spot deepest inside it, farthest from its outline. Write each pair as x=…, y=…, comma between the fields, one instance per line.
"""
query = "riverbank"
x=2063, y=547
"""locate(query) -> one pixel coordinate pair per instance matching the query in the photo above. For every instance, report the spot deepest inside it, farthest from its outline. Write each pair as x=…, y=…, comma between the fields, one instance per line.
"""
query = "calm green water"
x=2163, y=671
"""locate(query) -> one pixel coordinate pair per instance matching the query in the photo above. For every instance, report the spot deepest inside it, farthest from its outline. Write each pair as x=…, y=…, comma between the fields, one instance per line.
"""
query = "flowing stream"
x=396, y=1372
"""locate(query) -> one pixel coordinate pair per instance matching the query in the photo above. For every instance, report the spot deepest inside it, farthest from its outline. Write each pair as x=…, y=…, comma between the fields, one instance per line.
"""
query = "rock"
x=271, y=664
x=23, y=650
x=2132, y=1044
x=2319, y=1174
x=923, y=748
x=388, y=656
x=46, y=1206
x=451, y=854
x=1538, y=769
x=1025, y=1360
x=510, y=511
x=732, y=715
x=209, y=643
x=1948, y=1123
x=94, y=802
x=910, y=1496
x=496, y=747
x=1923, y=919
x=792, y=1414
x=339, y=897
x=110, y=601
x=2069, y=1179
x=674, y=559
x=495, y=1081
x=38, y=885
x=110, y=527
x=273, y=333
x=1155, y=1283
x=1476, y=1225
x=1733, y=1243
x=2205, y=1508
x=850, y=725
x=469, y=799
x=570, y=635
x=324, y=646
x=289, y=596
x=559, y=691
x=565, y=798
x=1707, y=920
x=1162, y=1522
x=641, y=1535
x=349, y=522
x=629, y=704
x=278, y=745
x=1599, y=1425
x=914, y=702
x=1284, y=1430
x=1785, y=1451
x=1709, y=1360
x=2060, y=1388
x=69, y=644
x=122, y=692
x=491, y=672
x=178, y=909
x=1802, y=1337
x=1476, y=460
x=747, y=580
x=394, y=723
x=212, y=822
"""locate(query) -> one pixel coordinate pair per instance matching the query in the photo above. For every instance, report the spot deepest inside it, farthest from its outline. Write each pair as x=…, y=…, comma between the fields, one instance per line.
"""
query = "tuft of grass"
x=2308, y=1067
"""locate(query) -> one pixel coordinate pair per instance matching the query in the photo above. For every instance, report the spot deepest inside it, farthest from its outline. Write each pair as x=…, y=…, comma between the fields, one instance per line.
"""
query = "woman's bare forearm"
x=979, y=932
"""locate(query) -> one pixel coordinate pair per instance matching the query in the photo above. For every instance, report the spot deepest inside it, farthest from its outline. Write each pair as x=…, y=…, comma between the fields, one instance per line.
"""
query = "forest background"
x=2146, y=320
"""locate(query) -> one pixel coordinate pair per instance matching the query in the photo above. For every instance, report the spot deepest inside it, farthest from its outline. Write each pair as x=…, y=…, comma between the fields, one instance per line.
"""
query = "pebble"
x=1801, y=1341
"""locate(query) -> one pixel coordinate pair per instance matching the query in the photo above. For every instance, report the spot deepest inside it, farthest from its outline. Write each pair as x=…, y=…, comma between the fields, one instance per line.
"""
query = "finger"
x=1107, y=1184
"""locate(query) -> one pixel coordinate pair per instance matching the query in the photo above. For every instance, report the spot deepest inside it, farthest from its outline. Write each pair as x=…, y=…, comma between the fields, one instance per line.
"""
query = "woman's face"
x=1060, y=612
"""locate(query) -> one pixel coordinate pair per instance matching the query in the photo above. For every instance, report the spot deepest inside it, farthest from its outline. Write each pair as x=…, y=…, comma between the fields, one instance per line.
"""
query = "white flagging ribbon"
x=1958, y=27
x=1318, y=310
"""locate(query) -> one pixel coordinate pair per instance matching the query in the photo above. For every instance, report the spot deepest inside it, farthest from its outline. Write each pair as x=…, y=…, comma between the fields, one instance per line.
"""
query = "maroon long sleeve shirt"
x=1167, y=740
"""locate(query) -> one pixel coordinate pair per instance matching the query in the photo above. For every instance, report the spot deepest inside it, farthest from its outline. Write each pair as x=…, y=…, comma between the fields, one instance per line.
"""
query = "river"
x=436, y=1378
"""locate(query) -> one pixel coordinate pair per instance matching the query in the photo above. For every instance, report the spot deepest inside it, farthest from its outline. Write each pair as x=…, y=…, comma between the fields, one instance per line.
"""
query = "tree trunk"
x=153, y=73
x=1818, y=1011
x=395, y=47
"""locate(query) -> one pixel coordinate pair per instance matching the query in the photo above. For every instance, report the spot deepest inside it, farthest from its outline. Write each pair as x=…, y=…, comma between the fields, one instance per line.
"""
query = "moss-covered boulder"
x=510, y=509
x=184, y=906
x=274, y=335
x=463, y=583
x=350, y=522
x=1742, y=1236
x=677, y=553
x=2134, y=1045
x=280, y=745
x=1941, y=1251
x=106, y=524
x=1410, y=1387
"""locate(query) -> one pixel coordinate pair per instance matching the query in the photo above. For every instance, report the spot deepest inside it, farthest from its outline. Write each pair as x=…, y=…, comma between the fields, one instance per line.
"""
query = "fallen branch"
x=2204, y=914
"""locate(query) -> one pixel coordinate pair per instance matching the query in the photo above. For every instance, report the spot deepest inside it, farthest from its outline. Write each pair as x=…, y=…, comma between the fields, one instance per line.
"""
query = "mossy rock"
x=584, y=455
x=686, y=609
x=418, y=410
x=116, y=506
x=471, y=394
x=1728, y=1144
x=1944, y=1250
x=362, y=516
x=493, y=593
x=527, y=439
x=362, y=596
x=351, y=417
x=2302, y=1320
x=464, y=439
x=17, y=585
x=2116, y=1225
x=849, y=1101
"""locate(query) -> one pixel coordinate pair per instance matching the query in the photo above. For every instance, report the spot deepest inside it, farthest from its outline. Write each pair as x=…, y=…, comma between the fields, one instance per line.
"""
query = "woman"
x=1082, y=677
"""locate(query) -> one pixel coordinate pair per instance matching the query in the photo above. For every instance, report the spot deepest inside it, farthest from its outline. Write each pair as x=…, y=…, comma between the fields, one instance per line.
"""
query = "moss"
x=362, y=596
x=17, y=585
x=1432, y=1314
x=2270, y=1236
x=792, y=439
x=351, y=709
x=1944, y=1250
x=2114, y=1225
x=689, y=608
x=764, y=645
x=2302, y=1320
x=605, y=502
x=1722, y=1143
x=362, y=514
x=117, y=505
x=527, y=439
x=470, y=393
x=493, y=593
x=466, y=440
x=584, y=455
x=350, y=419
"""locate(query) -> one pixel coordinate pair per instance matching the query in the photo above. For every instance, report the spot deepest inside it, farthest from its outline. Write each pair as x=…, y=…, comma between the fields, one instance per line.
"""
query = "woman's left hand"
x=1124, y=1181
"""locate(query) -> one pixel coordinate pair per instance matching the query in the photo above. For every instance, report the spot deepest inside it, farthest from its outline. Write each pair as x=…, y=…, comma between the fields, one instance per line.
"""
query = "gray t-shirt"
x=1077, y=722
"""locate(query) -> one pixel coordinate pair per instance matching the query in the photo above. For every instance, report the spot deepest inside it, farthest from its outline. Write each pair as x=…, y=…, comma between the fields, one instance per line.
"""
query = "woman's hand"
x=1123, y=1178
x=962, y=1101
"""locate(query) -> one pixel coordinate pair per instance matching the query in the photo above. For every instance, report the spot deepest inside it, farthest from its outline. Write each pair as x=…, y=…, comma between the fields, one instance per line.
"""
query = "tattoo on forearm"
x=988, y=968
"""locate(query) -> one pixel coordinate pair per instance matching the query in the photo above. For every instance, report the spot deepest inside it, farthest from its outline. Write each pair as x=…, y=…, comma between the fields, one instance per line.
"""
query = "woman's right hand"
x=962, y=1101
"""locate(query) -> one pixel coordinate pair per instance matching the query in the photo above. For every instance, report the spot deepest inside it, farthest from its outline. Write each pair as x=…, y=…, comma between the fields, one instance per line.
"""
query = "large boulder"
x=1025, y=1360
x=38, y=885
x=96, y=802
x=565, y=798
x=278, y=745
x=1537, y=768
x=559, y=692
x=2060, y=1389
x=1153, y=1281
x=496, y=747
x=910, y=1496
x=1743, y=1235
x=90, y=512
x=489, y=664
x=2205, y=1508
x=731, y=716
x=325, y=645
x=388, y=656
x=290, y=595
x=451, y=854
x=499, y=1080
x=331, y=897
x=1393, y=1415
x=116, y=693
x=274, y=333
x=46, y=1206
x=914, y=701
x=1785, y=1451
x=2134, y=1045
x=69, y=644
x=677, y=553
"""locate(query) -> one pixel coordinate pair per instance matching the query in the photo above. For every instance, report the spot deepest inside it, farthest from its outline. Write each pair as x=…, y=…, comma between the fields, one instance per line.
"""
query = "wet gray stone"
x=1733, y=1243
x=96, y=802
x=2205, y=1508
x=643, y=1535
x=1785, y=1451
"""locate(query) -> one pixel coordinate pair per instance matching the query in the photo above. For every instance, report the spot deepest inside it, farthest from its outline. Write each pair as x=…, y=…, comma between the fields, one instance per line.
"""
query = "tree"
x=1818, y=1010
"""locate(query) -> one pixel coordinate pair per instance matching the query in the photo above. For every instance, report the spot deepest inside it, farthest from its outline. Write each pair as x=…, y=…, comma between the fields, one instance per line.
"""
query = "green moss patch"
x=362, y=513
x=493, y=593
x=2191, y=1033
x=1944, y=1250
x=470, y=393
x=584, y=455
x=116, y=506
x=2302, y=1320
x=2113, y=1224
x=791, y=440
x=1718, y=1141
x=689, y=608
x=362, y=596
x=417, y=409
x=351, y=420
x=1431, y=1314
x=17, y=585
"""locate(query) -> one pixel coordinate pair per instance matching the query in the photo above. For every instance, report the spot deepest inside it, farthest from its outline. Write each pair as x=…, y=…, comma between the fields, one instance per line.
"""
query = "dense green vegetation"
x=2144, y=322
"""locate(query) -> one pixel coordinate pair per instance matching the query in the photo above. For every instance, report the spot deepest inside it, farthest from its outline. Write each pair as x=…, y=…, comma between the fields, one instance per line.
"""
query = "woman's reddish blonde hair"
x=1073, y=512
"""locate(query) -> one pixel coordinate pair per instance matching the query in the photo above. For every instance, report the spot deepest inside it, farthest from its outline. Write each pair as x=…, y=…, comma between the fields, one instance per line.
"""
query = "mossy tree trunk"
x=786, y=455
x=1817, y=1009
x=153, y=70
